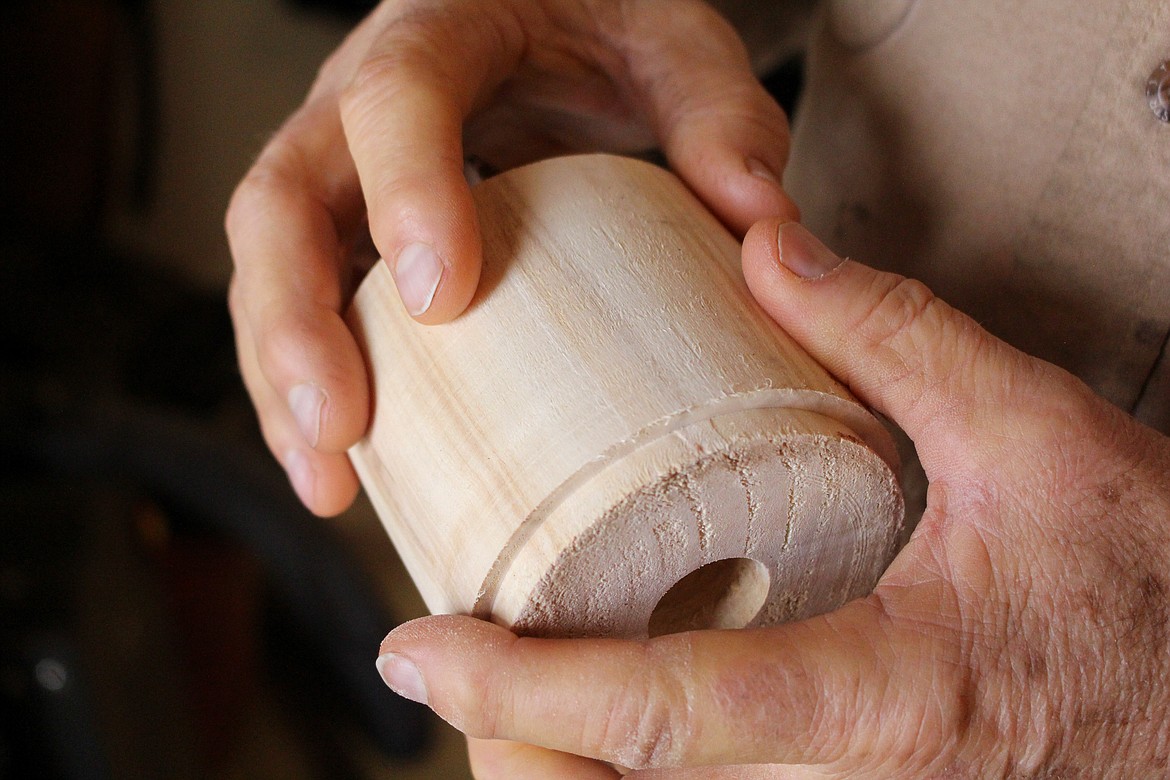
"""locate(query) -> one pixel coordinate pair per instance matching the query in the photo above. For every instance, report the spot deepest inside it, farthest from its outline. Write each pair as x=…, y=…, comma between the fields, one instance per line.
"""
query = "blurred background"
x=167, y=608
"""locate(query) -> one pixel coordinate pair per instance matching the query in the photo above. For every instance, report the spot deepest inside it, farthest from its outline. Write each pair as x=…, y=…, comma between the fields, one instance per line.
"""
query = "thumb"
x=904, y=352
x=788, y=694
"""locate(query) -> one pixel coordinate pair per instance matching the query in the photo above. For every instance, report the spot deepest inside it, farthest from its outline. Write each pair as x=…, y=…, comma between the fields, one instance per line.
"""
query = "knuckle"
x=372, y=79
x=240, y=207
x=332, y=68
x=915, y=338
x=895, y=314
x=741, y=109
x=648, y=725
x=487, y=710
x=244, y=348
x=493, y=717
x=699, y=23
x=378, y=78
x=257, y=192
x=235, y=301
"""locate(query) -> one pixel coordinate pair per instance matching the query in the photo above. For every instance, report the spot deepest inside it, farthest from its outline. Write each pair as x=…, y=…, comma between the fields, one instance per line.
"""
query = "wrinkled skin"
x=1022, y=632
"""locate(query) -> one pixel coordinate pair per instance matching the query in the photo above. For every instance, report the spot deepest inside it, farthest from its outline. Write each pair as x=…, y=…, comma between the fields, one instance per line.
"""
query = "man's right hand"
x=377, y=151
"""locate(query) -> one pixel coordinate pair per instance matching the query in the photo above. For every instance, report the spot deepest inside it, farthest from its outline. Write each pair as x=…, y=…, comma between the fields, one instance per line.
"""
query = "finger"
x=502, y=760
x=906, y=353
x=403, y=118
x=790, y=695
x=720, y=129
x=325, y=482
x=291, y=226
x=299, y=362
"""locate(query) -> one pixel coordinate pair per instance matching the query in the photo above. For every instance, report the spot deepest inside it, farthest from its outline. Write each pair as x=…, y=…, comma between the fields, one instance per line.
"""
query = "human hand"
x=378, y=148
x=1023, y=631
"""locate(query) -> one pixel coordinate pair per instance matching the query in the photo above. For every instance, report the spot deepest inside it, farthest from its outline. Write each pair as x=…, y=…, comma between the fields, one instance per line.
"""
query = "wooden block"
x=615, y=440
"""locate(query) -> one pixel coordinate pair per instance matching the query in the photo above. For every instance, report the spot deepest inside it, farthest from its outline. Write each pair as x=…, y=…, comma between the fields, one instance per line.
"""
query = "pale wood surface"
x=612, y=413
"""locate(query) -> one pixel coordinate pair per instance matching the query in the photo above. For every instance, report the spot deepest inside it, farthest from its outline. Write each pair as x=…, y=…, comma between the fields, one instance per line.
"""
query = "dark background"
x=166, y=607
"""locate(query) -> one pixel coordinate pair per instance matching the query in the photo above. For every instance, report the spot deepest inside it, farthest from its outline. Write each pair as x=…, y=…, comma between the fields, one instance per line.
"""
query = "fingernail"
x=758, y=168
x=306, y=401
x=301, y=475
x=417, y=272
x=804, y=255
x=402, y=676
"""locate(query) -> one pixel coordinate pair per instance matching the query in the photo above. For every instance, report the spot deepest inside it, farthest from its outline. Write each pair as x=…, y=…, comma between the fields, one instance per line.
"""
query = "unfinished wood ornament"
x=614, y=439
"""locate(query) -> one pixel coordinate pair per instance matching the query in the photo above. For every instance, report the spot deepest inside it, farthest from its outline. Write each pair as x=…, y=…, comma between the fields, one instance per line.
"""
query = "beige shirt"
x=1006, y=154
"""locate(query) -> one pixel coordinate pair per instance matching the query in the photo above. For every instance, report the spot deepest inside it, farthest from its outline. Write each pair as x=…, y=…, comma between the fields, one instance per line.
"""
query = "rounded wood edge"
x=698, y=485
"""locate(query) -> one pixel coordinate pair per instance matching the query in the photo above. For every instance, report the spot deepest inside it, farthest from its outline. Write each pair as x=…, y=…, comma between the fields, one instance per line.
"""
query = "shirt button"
x=1158, y=91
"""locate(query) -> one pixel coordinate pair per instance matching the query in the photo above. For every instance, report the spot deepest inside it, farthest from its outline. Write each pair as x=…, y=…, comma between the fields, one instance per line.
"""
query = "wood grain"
x=613, y=413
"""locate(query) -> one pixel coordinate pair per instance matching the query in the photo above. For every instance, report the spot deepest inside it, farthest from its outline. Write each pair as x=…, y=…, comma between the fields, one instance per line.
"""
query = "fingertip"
x=753, y=194
x=454, y=657
x=789, y=211
x=345, y=413
x=302, y=476
x=427, y=229
x=418, y=271
x=446, y=288
x=760, y=258
x=761, y=242
x=325, y=483
x=443, y=631
x=313, y=363
x=785, y=206
x=402, y=676
x=309, y=414
x=306, y=402
x=740, y=190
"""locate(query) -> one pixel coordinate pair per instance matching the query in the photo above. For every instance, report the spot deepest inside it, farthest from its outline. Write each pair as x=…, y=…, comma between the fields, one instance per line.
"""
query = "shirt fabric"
x=1006, y=154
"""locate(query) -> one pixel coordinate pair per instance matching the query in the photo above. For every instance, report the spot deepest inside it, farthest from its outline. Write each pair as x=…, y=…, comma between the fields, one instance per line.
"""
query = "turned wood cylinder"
x=614, y=439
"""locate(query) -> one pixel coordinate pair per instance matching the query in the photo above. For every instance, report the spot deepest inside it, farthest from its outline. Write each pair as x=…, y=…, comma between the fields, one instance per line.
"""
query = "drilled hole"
x=723, y=594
